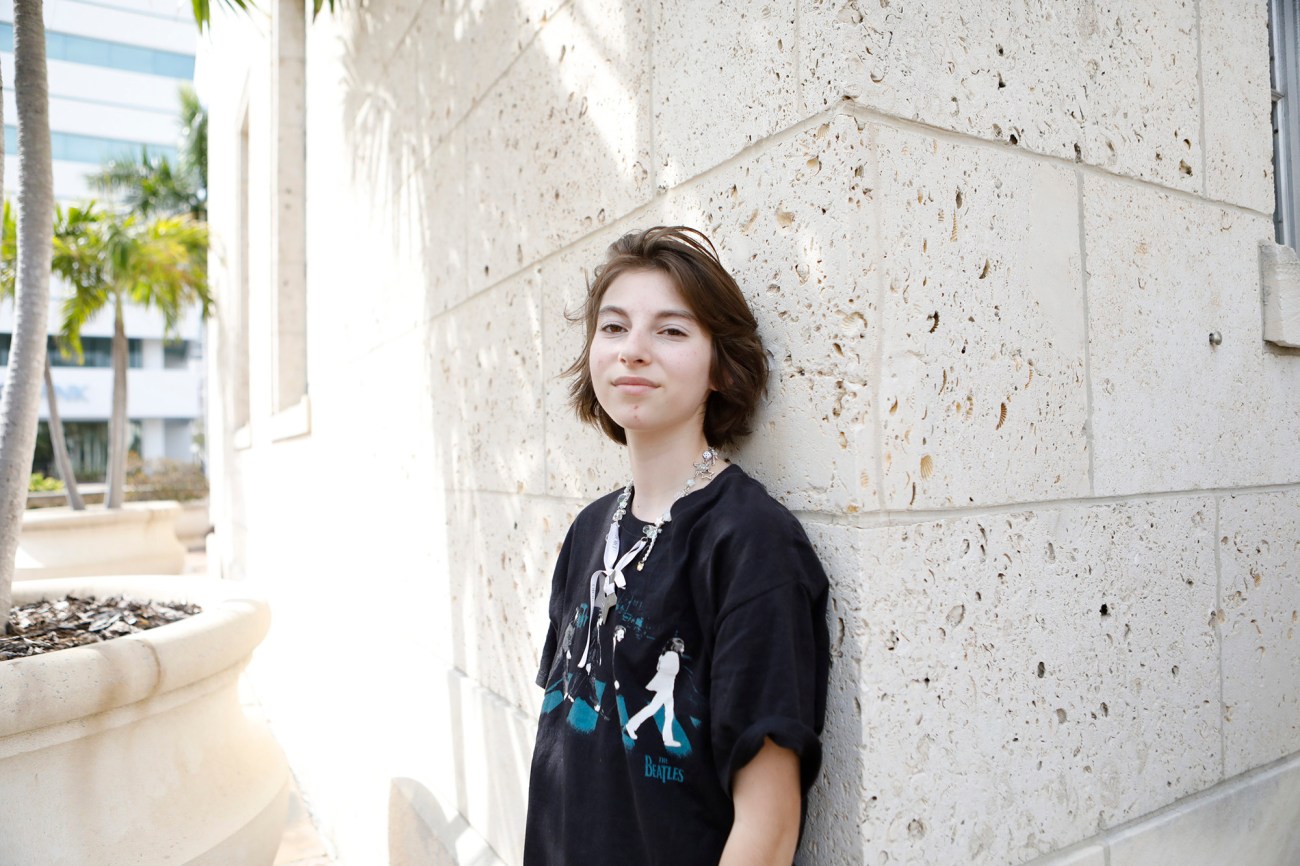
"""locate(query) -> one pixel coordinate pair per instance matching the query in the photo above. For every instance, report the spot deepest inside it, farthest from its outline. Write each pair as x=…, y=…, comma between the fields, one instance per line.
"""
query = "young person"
x=685, y=666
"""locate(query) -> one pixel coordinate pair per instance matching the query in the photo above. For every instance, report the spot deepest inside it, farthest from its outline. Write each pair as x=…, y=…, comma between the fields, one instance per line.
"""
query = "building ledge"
x=1280, y=272
x=292, y=422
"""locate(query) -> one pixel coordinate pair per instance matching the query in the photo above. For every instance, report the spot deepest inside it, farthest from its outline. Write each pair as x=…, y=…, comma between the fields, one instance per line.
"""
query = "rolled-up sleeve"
x=768, y=676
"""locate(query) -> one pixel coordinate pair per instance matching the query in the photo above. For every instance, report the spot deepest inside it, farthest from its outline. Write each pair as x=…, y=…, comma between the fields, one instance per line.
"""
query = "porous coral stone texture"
x=1028, y=657
x=1259, y=551
x=1112, y=87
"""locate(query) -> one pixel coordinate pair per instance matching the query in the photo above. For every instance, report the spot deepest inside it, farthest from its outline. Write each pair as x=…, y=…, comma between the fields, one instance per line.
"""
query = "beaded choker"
x=606, y=582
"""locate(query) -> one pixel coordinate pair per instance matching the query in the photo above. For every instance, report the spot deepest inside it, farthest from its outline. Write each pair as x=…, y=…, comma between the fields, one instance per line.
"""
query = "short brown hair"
x=738, y=369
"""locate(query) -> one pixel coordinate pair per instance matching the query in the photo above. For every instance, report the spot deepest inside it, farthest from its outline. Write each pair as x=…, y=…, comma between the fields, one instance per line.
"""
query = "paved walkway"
x=301, y=844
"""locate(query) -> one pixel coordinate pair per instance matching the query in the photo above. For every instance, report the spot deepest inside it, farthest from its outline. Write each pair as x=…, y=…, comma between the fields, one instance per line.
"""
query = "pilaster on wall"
x=288, y=221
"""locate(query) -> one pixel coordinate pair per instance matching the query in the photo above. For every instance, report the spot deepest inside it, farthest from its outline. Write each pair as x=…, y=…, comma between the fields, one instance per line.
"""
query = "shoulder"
x=742, y=511
x=754, y=540
x=596, y=515
x=586, y=531
x=743, y=500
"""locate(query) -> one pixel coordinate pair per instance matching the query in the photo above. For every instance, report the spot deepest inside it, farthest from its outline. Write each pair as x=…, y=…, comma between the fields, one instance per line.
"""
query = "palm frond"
x=146, y=183
x=8, y=252
x=78, y=309
x=194, y=139
x=157, y=263
x=203, y=9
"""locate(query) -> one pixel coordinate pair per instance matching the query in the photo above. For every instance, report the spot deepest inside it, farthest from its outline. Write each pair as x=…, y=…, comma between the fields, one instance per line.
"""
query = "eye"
x=611, y=328
x=673, y=331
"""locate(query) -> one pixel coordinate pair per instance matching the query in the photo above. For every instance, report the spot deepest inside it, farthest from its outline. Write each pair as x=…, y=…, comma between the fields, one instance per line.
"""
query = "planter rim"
x=131, y=512
x=56, y=687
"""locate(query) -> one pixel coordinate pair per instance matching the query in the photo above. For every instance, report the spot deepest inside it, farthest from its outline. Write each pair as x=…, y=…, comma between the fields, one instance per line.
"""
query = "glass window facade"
x=90, y=149
x=111, y=55
x=87, y=443
x=96, y=352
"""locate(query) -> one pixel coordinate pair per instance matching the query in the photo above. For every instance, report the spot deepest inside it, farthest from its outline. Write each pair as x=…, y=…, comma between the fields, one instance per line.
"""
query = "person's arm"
x=767, y=800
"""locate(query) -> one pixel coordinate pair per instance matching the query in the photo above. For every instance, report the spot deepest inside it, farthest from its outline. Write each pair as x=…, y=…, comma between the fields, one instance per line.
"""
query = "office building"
x=115, y=68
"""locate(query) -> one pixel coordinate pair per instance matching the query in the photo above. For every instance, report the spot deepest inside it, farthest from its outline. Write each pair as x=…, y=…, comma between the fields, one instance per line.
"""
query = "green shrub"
x=165, y=479
x=40, y=484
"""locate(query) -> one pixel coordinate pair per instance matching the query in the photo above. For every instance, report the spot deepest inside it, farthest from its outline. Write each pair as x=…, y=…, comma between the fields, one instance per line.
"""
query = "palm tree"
x=148, y=183
x=110, y=258
x=20, y=403
x=8, y=262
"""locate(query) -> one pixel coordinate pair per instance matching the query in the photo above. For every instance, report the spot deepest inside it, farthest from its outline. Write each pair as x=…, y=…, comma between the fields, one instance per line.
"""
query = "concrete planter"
x=137, y=750
x=192, y=524
x=139, y=538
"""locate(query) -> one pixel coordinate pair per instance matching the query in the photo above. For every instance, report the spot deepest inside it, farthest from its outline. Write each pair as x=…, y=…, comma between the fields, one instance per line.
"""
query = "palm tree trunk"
x=20, y=404
x=117, y=418
x=61, y=460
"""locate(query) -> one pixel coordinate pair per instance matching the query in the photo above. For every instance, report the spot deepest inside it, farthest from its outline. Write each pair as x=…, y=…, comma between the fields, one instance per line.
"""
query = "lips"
x=633, y=387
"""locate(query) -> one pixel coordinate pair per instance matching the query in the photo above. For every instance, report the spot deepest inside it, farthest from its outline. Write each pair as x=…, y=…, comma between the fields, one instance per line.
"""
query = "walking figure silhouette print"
x=665, y=679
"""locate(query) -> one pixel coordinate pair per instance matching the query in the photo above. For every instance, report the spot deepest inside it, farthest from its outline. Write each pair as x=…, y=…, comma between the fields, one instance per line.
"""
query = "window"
x=111, y=55
x=178, y=439
x=96, y=352
x=176, y=355
x=90, y=149
x=87, y=443
x=1284, y=32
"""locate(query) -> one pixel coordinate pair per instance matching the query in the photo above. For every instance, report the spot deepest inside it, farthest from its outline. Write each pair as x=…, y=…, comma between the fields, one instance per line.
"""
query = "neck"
x=660, y=468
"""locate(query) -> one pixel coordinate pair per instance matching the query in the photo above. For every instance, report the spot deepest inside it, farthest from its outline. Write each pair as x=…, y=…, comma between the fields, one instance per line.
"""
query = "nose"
x=632, y=350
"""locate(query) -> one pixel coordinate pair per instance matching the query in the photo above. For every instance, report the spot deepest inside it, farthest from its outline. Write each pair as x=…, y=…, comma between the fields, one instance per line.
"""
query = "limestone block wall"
x=986, y=251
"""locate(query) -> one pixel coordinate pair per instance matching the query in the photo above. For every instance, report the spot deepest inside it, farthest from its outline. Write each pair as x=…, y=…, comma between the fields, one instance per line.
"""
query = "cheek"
x=595, y=358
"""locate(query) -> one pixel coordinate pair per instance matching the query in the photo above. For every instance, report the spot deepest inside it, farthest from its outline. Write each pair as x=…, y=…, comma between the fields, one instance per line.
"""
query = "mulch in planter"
x=45, y=626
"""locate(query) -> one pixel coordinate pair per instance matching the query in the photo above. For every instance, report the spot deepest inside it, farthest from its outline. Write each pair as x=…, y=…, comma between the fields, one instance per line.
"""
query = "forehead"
x=644, y=291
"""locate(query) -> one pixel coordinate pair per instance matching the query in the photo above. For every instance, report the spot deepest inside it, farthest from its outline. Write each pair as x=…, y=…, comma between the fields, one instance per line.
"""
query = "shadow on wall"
x=408, y=116
x=421, y=833
x=494, y=135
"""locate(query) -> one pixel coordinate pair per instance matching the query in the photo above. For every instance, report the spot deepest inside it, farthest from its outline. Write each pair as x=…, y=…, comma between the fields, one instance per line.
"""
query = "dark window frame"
x=1284, y=50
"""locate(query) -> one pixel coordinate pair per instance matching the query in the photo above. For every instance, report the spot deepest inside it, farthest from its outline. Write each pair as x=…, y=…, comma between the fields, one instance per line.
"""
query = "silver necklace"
x=703, y=469
x=606, y=582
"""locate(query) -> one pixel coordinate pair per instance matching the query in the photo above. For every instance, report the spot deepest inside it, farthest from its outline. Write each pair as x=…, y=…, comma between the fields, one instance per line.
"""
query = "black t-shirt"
x=719, y=642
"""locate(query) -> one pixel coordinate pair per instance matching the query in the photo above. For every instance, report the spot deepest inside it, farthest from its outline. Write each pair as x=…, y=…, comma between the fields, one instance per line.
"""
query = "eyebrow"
x=662, y=314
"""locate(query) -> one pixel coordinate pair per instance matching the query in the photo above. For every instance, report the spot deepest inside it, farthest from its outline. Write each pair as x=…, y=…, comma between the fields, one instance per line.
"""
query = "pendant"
x=605, y=605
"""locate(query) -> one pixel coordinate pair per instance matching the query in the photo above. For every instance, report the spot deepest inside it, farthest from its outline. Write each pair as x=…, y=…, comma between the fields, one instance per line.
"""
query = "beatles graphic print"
x=625, y=672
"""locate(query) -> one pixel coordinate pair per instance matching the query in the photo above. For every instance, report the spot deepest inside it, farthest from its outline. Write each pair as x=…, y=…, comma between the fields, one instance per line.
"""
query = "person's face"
x=650, y=357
